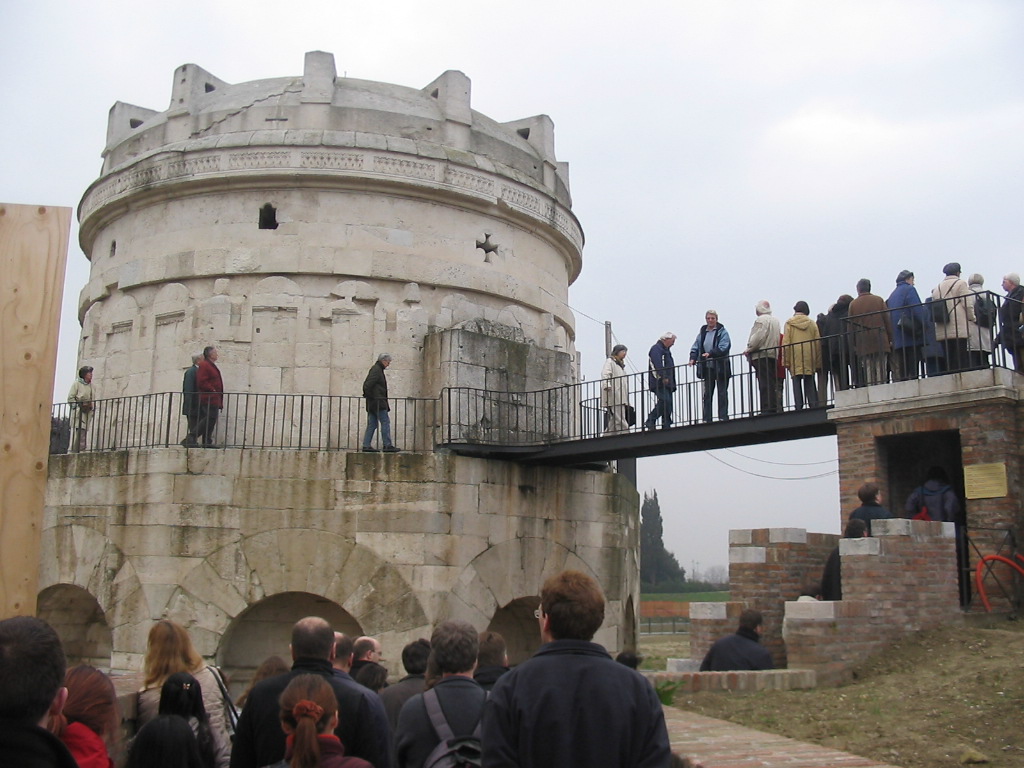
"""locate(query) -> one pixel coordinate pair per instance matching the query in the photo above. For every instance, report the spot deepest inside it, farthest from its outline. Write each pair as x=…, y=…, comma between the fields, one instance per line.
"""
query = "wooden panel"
x=33, y=252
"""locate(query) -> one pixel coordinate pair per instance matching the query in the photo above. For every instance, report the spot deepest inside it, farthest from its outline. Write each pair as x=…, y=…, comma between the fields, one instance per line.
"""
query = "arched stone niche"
x=517, y=624
x=80, y=622
x=264, y=630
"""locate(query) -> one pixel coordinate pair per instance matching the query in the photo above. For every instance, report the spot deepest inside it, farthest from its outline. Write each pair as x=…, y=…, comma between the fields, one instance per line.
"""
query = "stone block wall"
x=238, y=544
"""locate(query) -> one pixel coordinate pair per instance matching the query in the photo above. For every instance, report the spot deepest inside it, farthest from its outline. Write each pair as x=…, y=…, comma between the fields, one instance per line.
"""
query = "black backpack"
x=984, y=312
x=451, y=751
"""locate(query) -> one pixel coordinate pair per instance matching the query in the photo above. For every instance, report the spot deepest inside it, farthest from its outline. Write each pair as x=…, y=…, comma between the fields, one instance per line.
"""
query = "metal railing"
x=316, y=422
x=864, y=350
x=867, y=349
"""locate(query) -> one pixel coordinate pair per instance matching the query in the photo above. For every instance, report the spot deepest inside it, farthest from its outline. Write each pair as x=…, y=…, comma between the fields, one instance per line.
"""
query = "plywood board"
x=33, y=253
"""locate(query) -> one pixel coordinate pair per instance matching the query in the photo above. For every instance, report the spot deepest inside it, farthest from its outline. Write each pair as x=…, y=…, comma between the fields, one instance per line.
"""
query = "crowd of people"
x=860, y=341
x=569, y=705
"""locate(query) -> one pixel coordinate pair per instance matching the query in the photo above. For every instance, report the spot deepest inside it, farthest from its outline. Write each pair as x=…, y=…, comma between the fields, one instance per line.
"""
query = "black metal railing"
x=866, y=349
x=912, y=342
x=317, y=422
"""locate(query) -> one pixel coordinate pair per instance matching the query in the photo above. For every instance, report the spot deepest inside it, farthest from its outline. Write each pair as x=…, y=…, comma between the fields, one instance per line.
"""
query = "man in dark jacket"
x=190, y=399
x=1010, y=318
x=832, y=576
x=259, y=739
x=739, y=651
x=210, y=386
x=375, y=390
x=454, y=647
x=662, y=381
x=909, y=318
x=492, y=660
x=571, y=705
x=31, y=690
x=414, y=659
x=870, y=508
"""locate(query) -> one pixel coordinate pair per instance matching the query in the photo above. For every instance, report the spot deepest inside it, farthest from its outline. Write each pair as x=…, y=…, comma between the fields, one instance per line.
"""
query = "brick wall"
x=767, y=567
x=901, y=580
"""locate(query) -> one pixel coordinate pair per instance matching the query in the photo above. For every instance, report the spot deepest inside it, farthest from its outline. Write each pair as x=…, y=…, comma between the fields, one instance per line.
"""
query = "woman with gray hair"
x=615, y=392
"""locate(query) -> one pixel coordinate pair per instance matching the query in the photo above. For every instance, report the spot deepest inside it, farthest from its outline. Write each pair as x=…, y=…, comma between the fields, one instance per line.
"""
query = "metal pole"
x=607, y=338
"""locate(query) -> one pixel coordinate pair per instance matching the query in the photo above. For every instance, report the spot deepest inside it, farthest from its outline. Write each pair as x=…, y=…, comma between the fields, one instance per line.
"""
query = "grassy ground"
x=689, y=597
x=946, y=697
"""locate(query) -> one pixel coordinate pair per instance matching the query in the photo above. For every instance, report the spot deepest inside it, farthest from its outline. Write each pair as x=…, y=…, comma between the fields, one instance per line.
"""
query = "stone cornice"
x=169, y=174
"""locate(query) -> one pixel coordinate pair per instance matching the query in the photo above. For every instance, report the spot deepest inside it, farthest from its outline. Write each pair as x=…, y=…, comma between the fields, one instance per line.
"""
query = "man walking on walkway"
x=662, y=381
x=375, y=390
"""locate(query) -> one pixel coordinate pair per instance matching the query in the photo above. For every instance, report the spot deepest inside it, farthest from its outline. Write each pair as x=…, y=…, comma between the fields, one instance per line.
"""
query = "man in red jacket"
x=210, y=386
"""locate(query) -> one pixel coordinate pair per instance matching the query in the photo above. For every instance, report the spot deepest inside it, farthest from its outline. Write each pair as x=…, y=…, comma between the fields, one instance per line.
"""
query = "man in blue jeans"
x=661, y=373
x=375, y=390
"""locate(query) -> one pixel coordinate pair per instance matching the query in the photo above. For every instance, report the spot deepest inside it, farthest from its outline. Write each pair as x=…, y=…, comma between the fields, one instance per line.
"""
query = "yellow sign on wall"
x=985, y=481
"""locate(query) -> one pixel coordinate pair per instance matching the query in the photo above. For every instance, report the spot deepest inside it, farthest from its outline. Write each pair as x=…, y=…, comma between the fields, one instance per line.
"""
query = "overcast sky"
x=720, y=153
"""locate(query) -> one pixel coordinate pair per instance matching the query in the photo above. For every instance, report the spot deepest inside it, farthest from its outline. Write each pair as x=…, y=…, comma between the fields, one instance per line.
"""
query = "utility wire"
x=771, y=477
x=781, y=463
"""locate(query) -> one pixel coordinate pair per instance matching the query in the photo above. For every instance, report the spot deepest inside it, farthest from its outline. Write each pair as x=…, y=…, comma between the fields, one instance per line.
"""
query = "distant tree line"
x=660, y=572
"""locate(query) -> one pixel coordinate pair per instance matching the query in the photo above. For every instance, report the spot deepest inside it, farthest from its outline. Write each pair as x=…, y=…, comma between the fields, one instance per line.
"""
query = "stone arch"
x=264, y=629
x=277, y=290
x=236, y=577
x=80, y=622
x=516, y=623
x=500, y=588
x=89, y=561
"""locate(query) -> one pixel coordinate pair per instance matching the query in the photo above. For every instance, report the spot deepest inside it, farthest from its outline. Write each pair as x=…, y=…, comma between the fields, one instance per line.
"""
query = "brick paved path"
x=719, y=744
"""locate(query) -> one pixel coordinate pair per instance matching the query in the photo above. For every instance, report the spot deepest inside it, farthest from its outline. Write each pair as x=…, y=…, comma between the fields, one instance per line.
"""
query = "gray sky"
x=721, y=152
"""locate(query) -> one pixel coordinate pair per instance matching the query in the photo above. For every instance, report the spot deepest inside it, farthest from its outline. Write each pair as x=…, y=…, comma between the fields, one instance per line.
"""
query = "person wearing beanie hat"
x=958, y=311
x=909, y=321
x=1011, y=314
x=762, y=351
x=801, y=350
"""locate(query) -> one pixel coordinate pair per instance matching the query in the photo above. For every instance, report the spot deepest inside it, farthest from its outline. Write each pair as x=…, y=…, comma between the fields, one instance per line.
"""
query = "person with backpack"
x=440, y=728
x=935, y=500
x=979, y=343
x=953, y=304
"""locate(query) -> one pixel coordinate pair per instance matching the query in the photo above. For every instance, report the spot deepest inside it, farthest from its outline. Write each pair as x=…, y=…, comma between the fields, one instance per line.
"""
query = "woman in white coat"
x=615, y=391
x=80, y=398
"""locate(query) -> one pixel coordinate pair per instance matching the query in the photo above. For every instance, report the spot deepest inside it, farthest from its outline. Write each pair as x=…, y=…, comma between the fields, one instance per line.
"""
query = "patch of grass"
x=688, y=597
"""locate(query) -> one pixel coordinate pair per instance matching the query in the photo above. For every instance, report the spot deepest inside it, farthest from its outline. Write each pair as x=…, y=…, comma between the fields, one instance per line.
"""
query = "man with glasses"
x=606, y=713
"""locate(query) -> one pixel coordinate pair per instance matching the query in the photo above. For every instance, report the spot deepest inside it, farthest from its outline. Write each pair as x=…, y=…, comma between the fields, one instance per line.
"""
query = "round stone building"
x=303, y=225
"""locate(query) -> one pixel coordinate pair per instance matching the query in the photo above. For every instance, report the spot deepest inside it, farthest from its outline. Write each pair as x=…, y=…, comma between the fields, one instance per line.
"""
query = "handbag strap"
x=229, y=705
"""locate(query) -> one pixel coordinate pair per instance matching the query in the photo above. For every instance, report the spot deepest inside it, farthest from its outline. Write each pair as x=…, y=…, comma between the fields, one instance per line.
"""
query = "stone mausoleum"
x=303, y=225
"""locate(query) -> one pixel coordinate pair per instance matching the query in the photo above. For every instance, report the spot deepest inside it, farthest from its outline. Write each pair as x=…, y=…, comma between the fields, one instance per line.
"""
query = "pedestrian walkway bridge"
x=570, y=425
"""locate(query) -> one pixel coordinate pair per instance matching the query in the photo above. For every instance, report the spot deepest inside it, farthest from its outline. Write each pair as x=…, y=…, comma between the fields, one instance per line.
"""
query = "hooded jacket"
x=801, y=347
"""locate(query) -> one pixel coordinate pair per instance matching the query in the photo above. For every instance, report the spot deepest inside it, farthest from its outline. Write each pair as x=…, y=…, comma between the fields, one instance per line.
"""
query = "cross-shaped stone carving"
x=487, y=246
